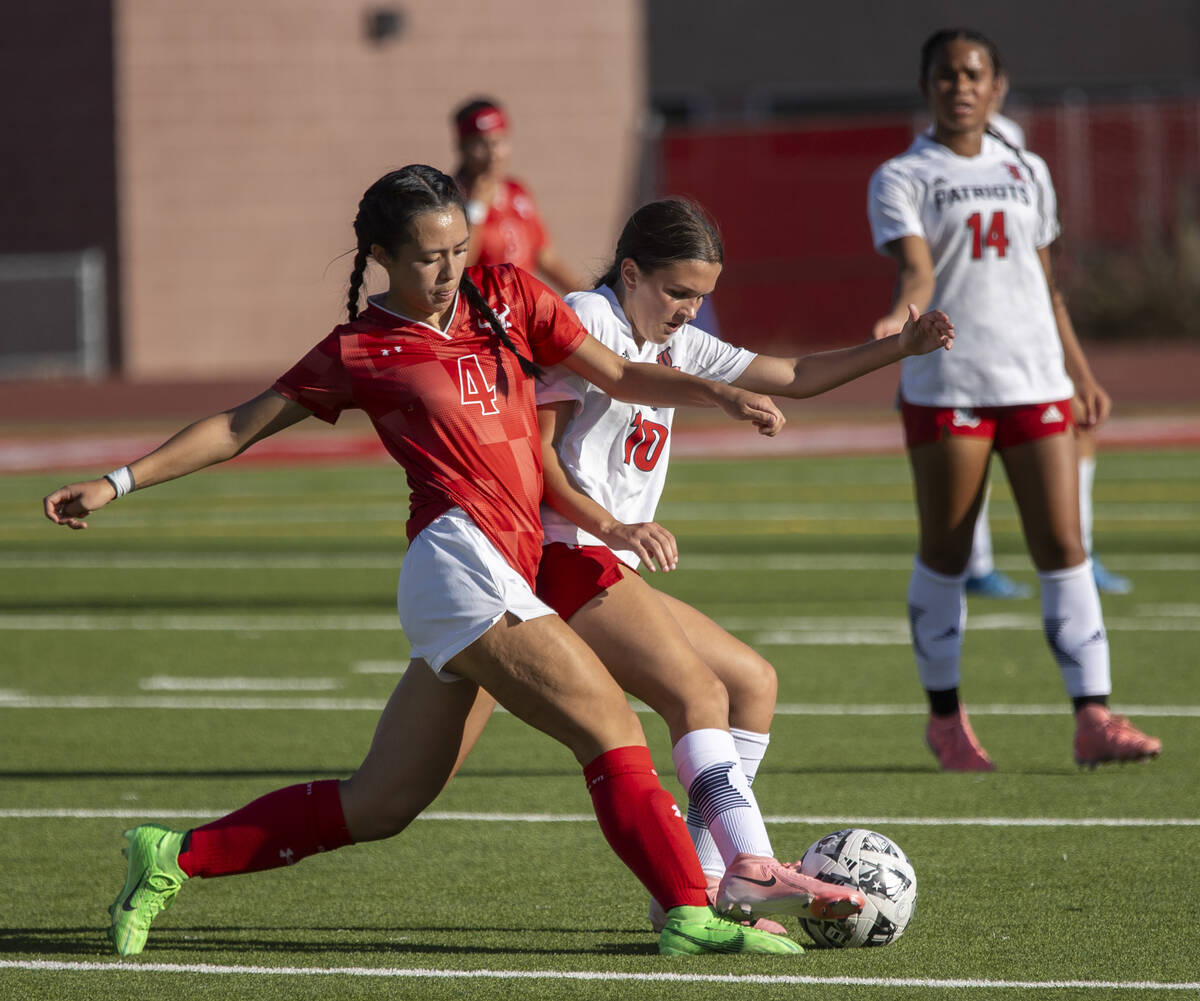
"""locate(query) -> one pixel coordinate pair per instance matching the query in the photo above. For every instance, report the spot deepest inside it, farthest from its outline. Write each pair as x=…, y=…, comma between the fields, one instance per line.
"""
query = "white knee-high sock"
x=708, y=765
x=982, y=561
x=937, y=616
x=751, y=748
x=1087, y=477
x=1074, y=628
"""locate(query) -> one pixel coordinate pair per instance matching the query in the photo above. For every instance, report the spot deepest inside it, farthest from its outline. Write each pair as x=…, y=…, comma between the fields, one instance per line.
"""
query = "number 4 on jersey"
x=995, y=235
x=474, y=385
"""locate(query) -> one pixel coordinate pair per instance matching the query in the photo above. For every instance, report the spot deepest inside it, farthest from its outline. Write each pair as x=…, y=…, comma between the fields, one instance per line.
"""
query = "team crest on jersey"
x=664, y=358
x=501, y=315
x=1014, y=171
x=963, y=418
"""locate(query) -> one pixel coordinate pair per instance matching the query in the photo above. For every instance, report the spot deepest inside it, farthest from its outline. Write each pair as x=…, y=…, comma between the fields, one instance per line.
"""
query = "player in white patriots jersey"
x=605, y=465
x=969, y=221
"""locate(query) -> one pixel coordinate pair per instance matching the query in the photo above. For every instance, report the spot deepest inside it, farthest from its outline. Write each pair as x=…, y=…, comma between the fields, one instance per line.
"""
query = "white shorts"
x=454, y=586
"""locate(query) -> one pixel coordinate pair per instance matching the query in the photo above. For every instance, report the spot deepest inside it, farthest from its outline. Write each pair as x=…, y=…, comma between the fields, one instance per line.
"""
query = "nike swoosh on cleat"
x=734, y=945
x=756, y=882
x=125, y=905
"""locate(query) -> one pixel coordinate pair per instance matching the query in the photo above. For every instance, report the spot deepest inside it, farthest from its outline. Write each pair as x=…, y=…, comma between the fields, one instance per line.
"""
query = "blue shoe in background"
x=997, y=585
x=1108, y=582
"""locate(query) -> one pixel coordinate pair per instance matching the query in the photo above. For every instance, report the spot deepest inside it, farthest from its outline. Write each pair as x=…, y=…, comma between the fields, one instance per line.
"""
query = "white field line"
x=10, y=699
x=165, y=683
x=788, y=563
x=419, y=973
x=763, y=630
x=125, y=813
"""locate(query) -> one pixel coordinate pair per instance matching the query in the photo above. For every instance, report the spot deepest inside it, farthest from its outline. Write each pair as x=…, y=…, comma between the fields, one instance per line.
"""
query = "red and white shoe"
x=658, y=917
x=954, y=744
x=1100, y=736
x=754, y=885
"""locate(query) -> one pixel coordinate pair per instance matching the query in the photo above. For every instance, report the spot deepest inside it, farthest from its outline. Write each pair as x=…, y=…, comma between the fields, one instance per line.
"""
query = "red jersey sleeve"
x=318, y=381
x=553, y=329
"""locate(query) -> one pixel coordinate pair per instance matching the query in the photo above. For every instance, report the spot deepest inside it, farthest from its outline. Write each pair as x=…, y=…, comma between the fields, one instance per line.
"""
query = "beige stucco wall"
x=246, y=133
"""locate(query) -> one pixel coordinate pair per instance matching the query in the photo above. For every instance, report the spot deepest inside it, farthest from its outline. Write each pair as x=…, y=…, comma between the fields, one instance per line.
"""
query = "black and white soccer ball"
x=876, y=866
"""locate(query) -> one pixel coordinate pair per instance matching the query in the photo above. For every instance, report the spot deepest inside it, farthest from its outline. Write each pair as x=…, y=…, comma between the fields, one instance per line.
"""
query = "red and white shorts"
x=571, y=576
x=1005, y=426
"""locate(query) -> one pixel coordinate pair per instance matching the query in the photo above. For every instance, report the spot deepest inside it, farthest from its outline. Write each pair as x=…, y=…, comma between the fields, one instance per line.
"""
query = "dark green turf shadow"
x=54, y=941
x=181, y=940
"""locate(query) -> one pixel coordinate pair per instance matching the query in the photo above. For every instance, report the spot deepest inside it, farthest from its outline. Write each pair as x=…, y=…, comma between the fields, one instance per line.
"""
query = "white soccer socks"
x=709, y=766
x=1074, y=628
x=937, y=615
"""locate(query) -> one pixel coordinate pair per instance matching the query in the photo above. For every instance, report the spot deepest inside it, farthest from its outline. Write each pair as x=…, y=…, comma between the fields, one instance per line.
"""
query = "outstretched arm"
x=208, y=441
x=661, y=386
x=816, y=373
x=654, y=545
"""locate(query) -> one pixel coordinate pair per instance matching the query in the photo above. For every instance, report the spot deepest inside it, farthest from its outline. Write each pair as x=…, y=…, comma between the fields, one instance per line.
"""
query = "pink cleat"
x=658, y=917
x=756, y=884
x=954, y=745
x=1100, y=736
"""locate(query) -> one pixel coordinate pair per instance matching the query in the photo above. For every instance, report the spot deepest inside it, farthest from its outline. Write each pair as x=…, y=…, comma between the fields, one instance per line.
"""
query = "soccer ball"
x=876, y=866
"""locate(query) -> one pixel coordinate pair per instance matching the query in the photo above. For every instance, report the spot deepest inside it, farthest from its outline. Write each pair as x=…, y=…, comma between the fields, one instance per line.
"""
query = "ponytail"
x=1020, y=155
x=476, y=299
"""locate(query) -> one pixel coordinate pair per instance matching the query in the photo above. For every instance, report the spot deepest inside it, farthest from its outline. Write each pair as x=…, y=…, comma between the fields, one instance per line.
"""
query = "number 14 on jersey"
x=992, y=237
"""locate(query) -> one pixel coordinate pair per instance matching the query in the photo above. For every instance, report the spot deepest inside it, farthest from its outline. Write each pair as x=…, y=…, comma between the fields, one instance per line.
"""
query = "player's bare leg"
x=427, y=729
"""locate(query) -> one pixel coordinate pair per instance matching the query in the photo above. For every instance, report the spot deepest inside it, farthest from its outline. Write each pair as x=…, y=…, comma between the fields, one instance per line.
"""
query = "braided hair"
x=385, y=217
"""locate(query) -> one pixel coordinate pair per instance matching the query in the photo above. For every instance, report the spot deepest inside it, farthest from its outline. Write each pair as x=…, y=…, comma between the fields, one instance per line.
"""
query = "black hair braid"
x=356, y=281
x=1020, y=155
x=475, y=297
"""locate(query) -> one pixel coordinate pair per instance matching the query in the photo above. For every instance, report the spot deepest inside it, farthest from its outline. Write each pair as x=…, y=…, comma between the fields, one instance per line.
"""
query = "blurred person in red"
x=506, y=227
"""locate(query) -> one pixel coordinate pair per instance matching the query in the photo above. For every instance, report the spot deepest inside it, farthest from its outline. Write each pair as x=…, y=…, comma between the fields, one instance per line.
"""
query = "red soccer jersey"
x=452, y=407
x=512, y=232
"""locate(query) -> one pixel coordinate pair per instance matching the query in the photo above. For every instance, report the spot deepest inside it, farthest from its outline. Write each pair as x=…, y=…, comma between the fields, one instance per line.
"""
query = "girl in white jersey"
x=969, y=221
x=605, y=466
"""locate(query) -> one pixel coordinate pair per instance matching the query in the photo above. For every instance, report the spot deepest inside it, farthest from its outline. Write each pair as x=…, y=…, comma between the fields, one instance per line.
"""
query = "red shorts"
x=571, y=576
x=1005, y=426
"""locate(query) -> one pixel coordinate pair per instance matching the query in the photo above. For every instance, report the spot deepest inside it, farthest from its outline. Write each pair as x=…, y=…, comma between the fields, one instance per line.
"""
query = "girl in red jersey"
x=443, y=363
x=969, y=220
x=506, y=227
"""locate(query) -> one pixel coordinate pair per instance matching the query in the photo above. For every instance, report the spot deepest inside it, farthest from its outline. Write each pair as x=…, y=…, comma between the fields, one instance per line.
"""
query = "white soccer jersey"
x=618, y=452
x=984, y=218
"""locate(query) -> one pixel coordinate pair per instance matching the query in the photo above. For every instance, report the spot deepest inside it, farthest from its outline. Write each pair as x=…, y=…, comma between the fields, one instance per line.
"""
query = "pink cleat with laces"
x=658, y=917
x=954, y=745
x=1100, y=737
x=754, y=885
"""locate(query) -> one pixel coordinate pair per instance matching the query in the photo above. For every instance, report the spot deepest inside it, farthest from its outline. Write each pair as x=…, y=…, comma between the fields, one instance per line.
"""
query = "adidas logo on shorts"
x=1052, y=415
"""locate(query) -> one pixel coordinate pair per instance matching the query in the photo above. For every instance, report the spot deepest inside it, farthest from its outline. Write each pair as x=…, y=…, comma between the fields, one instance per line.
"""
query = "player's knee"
x=754, y=685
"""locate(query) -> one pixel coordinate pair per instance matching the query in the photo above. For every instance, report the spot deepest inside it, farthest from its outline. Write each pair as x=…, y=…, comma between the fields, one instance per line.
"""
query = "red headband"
x=485, y=119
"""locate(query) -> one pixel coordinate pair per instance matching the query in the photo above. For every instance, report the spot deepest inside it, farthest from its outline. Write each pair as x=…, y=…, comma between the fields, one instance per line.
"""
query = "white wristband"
x=121, y=480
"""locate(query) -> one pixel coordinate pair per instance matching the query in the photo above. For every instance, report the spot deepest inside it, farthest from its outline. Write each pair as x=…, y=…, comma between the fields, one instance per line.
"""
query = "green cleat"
x=152, y=879
x=694, y=931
